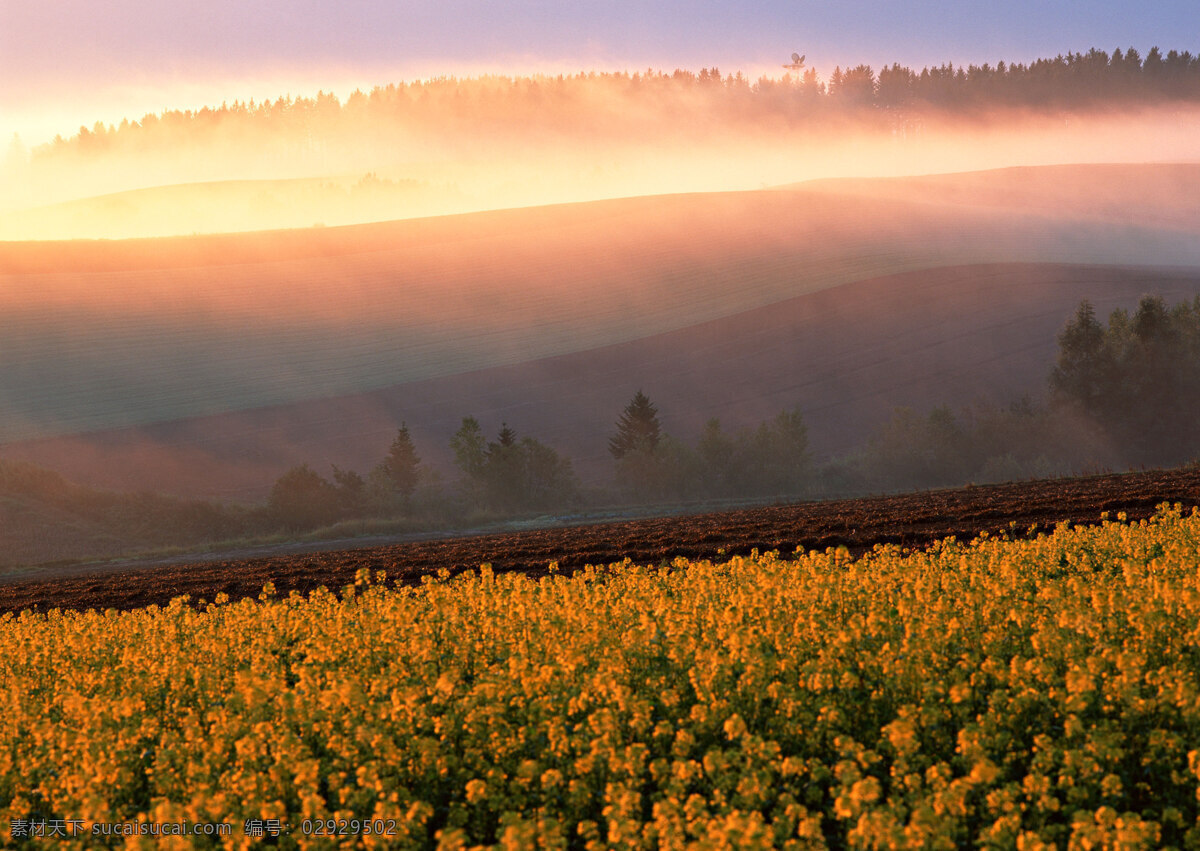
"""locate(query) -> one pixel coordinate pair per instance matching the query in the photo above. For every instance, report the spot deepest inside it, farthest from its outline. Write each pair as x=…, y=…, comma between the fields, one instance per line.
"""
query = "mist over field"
x=448, y=146
x=196, y=302
x=455, y=423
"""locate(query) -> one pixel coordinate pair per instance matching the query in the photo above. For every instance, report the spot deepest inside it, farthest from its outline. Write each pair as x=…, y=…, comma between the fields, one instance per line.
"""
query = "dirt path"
x=909, y=520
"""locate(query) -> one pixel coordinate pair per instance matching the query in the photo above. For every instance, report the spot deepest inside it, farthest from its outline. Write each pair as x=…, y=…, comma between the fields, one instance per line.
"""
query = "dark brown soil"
x=908, y=520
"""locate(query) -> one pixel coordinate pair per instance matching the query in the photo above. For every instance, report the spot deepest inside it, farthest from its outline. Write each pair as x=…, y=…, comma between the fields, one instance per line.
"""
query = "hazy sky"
x=71, y=62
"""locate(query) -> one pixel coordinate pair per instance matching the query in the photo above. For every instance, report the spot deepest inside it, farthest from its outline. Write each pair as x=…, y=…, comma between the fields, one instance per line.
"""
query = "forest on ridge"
x=610, y=104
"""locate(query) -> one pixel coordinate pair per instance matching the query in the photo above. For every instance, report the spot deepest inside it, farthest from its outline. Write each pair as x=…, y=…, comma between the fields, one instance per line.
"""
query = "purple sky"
x=71, y=62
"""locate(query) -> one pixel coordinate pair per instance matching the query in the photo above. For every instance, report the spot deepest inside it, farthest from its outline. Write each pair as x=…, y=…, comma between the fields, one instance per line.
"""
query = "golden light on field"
x=425, y=230
x=450, y=146
x=112, y=334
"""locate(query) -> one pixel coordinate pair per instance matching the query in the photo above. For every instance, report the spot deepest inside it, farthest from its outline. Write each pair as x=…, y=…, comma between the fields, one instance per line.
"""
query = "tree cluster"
x=620, y=104
x=947, y=449
x=1123, y=394
x=1138, y=377
x=506, y=476
x=510, y=476
x=771, y=461
x=303, y=499
x=1076, y=79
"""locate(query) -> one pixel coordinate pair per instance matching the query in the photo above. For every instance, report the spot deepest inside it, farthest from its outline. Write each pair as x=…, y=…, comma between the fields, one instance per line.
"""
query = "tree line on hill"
x=513, y=475
x=1075, y=79
x=772, y=460
x=1122, y=395
x=1138, y=377
x=608, y=104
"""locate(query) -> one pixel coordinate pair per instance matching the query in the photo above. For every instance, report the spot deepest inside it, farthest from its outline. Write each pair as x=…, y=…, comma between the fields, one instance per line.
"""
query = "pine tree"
x=1084, y=371
x=403, y=464
x=637, y=429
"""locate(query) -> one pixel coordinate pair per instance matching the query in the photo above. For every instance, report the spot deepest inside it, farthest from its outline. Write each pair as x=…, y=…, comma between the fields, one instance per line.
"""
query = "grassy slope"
x=846, y=356
x=510, y=314
x=45, y=518
x=133, y=332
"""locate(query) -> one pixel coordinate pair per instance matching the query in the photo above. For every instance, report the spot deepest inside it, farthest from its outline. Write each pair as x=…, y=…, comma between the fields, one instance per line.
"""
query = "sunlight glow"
x=450, y=146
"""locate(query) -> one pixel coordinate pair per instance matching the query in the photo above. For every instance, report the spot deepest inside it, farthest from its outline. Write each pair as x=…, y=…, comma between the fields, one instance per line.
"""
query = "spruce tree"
x=1085, y=368
x=403, y=464
x=637, y=429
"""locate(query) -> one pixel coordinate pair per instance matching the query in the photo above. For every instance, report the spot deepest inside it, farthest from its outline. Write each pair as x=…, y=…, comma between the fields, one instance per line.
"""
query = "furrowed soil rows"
x=907, y=520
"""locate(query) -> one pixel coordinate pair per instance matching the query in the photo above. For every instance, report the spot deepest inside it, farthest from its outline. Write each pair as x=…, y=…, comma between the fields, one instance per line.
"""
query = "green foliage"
x=1086, y=369
x=778, y=460
x=918, y=452
x=470, y=448
x=549, y=479
x=1138, y=378
x=666, y=472
x=772, y=460
x=301, y=499
x=503, y=474
x=853, y=86
x=1125, y=394
x=717, y=454
x=944, y=449
x=510, y=475
x=351, y=491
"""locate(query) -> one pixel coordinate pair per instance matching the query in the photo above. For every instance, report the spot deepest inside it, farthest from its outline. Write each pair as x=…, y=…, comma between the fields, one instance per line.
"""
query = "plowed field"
x=908, y=520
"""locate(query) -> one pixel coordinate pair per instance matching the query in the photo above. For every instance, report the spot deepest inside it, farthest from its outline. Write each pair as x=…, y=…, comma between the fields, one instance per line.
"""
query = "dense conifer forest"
x=607, y=104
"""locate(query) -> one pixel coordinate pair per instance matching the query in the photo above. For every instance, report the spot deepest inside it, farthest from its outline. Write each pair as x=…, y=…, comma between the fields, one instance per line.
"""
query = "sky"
x=67, y=63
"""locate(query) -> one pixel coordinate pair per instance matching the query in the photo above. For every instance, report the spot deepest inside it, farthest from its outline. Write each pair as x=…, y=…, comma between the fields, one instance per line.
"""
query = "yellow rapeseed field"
x=1023, y=694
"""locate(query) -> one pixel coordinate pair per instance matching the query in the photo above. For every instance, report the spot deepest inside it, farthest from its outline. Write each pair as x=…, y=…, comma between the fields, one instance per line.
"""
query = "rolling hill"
x=846, y=356
x=210, y=364
x=222, y=206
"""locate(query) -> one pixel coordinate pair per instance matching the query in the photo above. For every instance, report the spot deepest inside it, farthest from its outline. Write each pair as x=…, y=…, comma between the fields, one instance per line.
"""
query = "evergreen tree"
x=1085, y=369
x=403, y=465
x=510, y=475
x=470, y=456
x=637, y=429
x=1139, y=378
